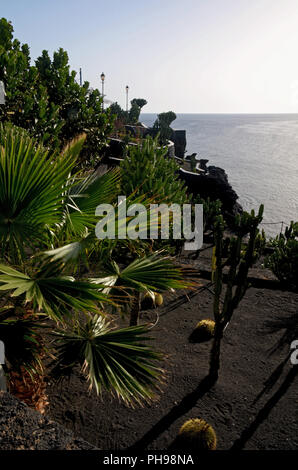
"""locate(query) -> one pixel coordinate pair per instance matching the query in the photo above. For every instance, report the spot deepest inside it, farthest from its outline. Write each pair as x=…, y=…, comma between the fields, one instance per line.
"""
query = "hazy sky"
x=191, y=56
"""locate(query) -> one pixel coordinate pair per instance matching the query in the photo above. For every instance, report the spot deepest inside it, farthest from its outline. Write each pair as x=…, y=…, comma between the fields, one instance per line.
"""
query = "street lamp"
x=102, y=87
x=127, y=88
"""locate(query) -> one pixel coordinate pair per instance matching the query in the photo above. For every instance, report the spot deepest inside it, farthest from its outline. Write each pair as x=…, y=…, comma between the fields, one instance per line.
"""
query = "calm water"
x=258, y=152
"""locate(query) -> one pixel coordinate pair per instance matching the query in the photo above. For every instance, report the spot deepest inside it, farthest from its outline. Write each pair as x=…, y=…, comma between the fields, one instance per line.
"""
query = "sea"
x=259, y=153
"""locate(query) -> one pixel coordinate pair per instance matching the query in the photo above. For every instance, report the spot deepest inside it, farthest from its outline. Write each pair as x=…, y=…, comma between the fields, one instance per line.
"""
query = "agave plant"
x=47, y=222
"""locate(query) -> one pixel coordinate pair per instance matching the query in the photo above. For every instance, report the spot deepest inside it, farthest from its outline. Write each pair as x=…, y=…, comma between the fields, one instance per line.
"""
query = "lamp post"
x=127, y=88
x=102, y=87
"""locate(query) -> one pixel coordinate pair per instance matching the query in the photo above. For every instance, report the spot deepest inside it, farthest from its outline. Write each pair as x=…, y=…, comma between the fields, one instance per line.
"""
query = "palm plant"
x=47, y=222
x=146, y=275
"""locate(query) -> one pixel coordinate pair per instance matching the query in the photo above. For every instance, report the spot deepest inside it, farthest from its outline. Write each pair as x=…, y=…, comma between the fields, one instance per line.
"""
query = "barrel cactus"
x=151, y=301
x=203, y=331
x=196, y=434
x=158, y=300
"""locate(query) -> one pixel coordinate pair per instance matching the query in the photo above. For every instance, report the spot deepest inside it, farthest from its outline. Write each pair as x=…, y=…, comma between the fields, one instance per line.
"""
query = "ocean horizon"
x=259, y=153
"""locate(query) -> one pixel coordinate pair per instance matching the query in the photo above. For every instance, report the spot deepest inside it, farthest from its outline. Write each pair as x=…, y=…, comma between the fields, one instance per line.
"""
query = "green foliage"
x=40, y=202
x=31, y=195
x=140, y=102
x=211, y=209
x=147, y=170
x=195, y=435
x=115, y=360
x=283, y=262
x=46, y=100
x=134, y=113
x=162, y=126
x=127, y=117
x=121, y=115
x=135, y=110
x=148, y=275
x=47, y=227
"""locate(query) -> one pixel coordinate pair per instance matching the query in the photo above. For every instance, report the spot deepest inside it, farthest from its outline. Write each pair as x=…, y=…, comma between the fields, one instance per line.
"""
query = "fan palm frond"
x=83, y=198
x=114, y=359
x=146, y=274
x=31, y=189
x=56, y=296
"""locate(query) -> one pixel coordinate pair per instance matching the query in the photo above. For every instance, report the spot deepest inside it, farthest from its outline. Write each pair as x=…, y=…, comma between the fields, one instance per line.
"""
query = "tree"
x=131, y=116
x=116, y=110
x=140, y=102
x=135, y=110
x=162, y=125
x=46, y=100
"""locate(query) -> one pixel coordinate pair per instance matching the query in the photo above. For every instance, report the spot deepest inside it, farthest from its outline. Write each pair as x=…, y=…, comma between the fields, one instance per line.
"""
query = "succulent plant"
x=196, y=434
x=150, y=301
x=203, y=331
x=158, y=300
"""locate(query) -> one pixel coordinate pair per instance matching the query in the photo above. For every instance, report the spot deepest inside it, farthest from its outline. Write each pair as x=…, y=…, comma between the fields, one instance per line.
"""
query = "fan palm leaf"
x=114, y=359
x=83, y=198
x=31, y=189
x=57, y=296
x=146, y=274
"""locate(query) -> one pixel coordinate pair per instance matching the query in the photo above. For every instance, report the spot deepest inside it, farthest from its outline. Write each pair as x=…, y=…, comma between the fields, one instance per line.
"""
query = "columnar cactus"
x=239, y=259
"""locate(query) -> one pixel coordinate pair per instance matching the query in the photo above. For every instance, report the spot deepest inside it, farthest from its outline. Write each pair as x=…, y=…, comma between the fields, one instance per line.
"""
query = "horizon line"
x=234, y=113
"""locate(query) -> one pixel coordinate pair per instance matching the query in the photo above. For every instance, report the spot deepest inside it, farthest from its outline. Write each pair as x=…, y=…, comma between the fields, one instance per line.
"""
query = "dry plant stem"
x=135, y=310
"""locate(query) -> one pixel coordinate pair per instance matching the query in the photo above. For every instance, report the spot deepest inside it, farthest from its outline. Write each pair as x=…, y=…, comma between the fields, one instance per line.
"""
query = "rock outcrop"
x=215, y=185
x=22, y=428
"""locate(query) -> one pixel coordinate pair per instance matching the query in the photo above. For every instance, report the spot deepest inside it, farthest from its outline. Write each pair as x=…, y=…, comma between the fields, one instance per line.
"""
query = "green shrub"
x=283, y=262
x=147, y=170
x=196, y=434
x=162, y=126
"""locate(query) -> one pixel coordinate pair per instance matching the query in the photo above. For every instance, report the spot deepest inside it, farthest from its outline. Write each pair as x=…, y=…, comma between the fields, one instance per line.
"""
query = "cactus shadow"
x=264, y=412
x=287, y=323
x=197, y=338
x=186, y=404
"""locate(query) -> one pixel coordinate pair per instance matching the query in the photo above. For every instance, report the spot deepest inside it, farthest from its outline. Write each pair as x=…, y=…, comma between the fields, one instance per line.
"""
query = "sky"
x=188, y=56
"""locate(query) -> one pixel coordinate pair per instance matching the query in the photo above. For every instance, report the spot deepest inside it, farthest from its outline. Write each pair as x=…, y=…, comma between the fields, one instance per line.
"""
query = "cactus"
x=283, y=262
x=151, y=301
x=239, y=261
x=203, y=331
x=211, y=209
x=195, y=434
x=158, y=300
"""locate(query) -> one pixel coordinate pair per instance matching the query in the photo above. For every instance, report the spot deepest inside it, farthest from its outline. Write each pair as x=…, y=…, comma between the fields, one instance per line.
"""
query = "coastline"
x=258, y=153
